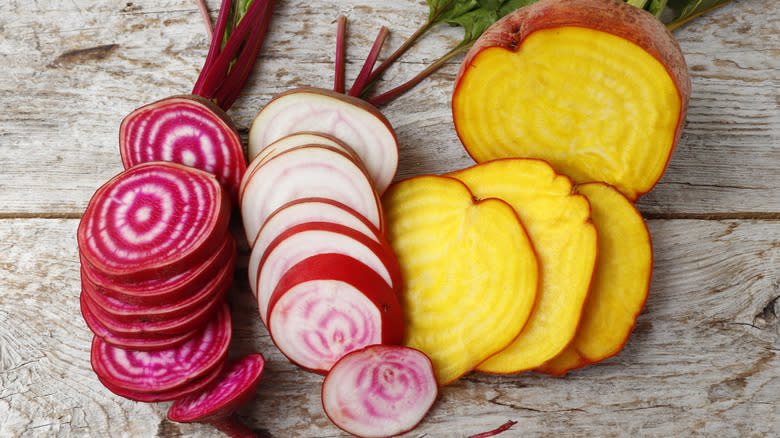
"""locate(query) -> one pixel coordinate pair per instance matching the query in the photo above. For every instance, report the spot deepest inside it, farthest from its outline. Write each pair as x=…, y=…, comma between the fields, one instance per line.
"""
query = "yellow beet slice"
x=597, y=88
x=620, y=283
x=565, y=241
x=470, y=273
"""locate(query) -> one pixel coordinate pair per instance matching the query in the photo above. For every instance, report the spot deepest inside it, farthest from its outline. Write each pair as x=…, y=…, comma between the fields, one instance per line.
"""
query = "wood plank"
x=702, y=361
x=72, y=70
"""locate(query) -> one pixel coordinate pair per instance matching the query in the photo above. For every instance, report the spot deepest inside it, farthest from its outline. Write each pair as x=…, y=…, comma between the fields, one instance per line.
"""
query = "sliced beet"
x=308, y=239
x=137, y=342
x=188, y=130
x=328, y=305
x=303, y=211
x=353, y=121
x=153, y=220
x=235, y=387
x=169, y=370
x=155, y=325
x=163, y=291
x=379, y=391
x=306, y=171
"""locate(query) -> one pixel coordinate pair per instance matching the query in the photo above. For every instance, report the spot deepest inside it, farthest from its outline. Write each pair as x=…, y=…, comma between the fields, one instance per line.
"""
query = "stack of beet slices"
x=325, y=279
x=157, y=260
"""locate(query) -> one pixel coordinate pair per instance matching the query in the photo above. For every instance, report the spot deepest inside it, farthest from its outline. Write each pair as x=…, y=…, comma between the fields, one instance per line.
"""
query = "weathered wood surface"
x=702, y=361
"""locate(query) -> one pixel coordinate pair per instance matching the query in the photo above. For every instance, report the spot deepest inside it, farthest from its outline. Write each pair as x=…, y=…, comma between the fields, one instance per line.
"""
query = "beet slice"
x=301, y=139
x=328, y=305
x=309, y=239
x=380, y=390
x=140, y=342
x=352, y=120
x=303, y=211
x=235, y=387
x=306, y=171
x=153, y=220
x=162, y=290
x=164, y=371
x=188, y=130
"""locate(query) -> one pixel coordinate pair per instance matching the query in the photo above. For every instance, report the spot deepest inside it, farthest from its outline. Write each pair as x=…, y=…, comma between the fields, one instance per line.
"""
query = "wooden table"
x=702, y=361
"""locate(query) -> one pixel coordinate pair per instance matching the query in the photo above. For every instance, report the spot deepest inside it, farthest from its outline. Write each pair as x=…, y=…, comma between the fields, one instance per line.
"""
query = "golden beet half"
x=597, y=88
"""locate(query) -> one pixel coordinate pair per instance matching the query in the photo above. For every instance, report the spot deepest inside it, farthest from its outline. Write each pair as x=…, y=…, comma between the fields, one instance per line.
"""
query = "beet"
x=379, y=391
x=153, y=220
x=188, y=130
x=161, y=372
x=328, y=305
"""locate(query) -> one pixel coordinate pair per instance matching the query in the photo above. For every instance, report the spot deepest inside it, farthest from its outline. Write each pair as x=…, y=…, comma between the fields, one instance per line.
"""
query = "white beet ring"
x=188, y=130
x=379, y=391
x=153, y=221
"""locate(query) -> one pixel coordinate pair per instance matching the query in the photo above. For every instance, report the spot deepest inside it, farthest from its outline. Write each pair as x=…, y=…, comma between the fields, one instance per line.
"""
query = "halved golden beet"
x=558, y=222
x=598, y=88
x=620, y=283
x=470, y=274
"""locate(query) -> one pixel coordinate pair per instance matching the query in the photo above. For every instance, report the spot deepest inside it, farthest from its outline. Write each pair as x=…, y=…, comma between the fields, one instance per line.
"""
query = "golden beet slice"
x=620, y=283
x=470, y=274
x=597, y=88
x=565, y=241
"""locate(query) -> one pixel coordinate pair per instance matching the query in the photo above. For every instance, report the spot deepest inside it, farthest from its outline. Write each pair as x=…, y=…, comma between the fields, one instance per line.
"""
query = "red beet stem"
x=204, y=13
x=362, y=80
x=503, y=428
x=341, y=30
x=216, y=43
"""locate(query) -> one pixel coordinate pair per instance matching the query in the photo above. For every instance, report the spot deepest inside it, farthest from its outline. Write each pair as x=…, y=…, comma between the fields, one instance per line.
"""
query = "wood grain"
x=703, y=358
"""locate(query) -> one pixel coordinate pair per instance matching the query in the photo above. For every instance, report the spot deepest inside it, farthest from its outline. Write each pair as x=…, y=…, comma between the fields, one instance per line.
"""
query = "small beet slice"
x=328, y=305
x=620, y=283
x=312, y=238
x=139, y=342
x=353, y=121
x=292, y=141
x=307, y=171
x=470, y=272
x=188, y=130
x=153, y=220
x=163, y=290
x=131, y=312
x=235, y=386
x=163, y=371
x=379, y=391
x=303, y=211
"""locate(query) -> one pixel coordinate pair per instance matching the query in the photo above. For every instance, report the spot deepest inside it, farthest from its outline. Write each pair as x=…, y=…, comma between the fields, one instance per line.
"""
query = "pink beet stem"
x=216, y=44
x=204, y=13
x=503, y=428
x=341, y=30
x=362, y=80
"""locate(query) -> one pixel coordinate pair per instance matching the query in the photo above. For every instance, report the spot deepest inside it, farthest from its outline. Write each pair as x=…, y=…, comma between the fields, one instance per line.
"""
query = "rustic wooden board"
x=703, y=358
x=702, y=361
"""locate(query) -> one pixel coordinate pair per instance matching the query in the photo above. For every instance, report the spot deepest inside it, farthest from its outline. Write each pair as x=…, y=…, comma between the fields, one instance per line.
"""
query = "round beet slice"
x=163, y=290
x=187, y=130
x=235, y=386
x=153, y=220
x=309, y=239
x=328, y=305
x=163, y=371
x=379, y=391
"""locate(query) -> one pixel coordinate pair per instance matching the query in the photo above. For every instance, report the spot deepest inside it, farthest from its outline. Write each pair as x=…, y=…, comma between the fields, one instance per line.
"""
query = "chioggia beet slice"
x=164, y=371
x=187, y=130
x=379, y=391
x=331, y=304
x=153, y=220
x=307, y=171
x=163, y=290
x=217, y=403
x=181, y=308
x=297, y=213
x=305, y=240
x=353, y=121
x=142, y=342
